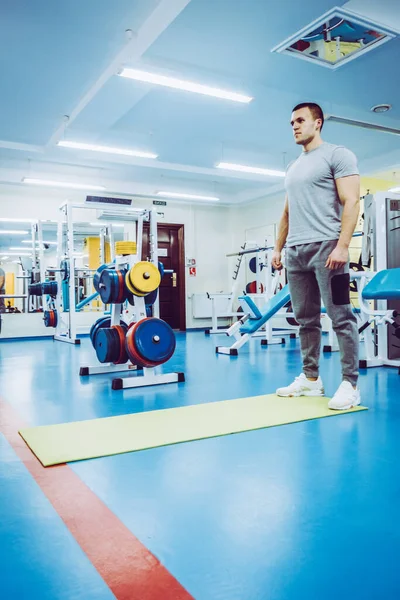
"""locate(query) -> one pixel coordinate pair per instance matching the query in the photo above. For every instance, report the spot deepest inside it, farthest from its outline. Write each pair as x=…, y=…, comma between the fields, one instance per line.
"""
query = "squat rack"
x=133, y=218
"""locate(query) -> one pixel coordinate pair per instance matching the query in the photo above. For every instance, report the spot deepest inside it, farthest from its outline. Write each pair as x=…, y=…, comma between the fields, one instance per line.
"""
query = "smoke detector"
x=336, y=38
x=381, y=108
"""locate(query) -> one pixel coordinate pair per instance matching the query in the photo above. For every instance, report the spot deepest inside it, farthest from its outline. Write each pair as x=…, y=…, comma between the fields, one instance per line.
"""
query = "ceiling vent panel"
x=335, y=39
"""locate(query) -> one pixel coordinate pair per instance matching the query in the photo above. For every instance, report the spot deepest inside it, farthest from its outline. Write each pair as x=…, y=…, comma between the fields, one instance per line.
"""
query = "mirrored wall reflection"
x=15, y=264
x=20, y=262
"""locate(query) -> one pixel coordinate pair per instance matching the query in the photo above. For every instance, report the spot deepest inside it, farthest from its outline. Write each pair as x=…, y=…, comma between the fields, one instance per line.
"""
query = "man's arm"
x=348, y=189
x=282, y=235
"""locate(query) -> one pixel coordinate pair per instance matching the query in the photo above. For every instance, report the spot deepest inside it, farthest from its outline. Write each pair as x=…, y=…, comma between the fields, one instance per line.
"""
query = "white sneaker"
x=302, y=386
x=345, y=397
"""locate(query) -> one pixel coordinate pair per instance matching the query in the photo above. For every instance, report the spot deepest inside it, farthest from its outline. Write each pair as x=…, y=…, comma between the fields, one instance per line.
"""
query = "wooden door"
x=172, y=289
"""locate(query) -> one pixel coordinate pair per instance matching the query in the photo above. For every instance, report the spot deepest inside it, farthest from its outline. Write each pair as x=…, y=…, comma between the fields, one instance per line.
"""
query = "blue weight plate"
x=108, y=285
x=253, y=264
x=96, y=281
x=35, y=289
x=49, y=288
x=151, y=298
x=91, y=331
x=50, y=318
x=100, y=323
x=96, y=278
x=64, y=266
x=155, y=340
x=107, y=345
x=161, y=269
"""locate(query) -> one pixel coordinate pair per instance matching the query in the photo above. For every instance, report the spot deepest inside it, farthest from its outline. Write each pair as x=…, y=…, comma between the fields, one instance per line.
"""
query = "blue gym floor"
x=303, y=511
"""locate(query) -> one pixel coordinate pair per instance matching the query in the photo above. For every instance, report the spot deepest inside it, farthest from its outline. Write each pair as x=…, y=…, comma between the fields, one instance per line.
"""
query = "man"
x=318, y=221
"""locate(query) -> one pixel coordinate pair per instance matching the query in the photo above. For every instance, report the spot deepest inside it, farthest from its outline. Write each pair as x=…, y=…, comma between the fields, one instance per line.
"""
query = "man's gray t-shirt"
x=315, y=209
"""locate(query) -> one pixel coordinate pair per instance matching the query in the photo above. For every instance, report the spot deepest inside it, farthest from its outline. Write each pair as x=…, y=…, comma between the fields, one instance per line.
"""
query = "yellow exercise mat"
x=56, y=444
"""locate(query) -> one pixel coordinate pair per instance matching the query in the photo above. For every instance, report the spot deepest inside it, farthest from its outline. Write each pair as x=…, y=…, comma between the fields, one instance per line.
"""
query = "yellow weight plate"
x=125, y=247
x=130, y=286
x=125, y=244
x=145, y=277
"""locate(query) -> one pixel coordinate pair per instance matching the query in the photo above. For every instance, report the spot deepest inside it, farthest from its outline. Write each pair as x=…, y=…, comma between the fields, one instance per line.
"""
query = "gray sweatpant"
x=309, y=281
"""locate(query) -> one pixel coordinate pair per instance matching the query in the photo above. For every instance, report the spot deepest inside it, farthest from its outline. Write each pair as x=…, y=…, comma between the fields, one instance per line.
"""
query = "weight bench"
x=385, y=285
x=243, y=329
x=257, y=318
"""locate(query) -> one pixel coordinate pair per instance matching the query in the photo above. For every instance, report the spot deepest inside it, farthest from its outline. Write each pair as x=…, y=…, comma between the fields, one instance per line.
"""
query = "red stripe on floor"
x=127, y=567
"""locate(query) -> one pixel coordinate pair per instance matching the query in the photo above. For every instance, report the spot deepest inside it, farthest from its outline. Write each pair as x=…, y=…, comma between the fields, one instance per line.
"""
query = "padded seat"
x=252, y=305
x=384, y=286
x=272, y=307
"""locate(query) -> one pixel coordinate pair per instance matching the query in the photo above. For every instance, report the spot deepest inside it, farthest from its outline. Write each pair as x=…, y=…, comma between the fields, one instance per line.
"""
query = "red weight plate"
x=121, y=288
x=123, y=355
x=133, y=354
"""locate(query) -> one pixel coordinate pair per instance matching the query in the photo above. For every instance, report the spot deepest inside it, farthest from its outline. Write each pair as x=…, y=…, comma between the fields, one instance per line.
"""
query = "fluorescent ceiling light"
x=4, y=220
x=187, y=196
x=395, y=190
x=30, y=242
x=179, y=84
x=247, y=169
x=4, y=258
x=13, y=232
x=20, y=253
x=63, y=184
x=24, y=249
x=107, y=149
x=104, y=224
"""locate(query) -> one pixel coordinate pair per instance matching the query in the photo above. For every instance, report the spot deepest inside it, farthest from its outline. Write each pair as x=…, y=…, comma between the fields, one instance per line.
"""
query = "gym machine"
x=128, y=339
x=42, y=289
x=267, y=283
x=229, y=297
x=380, y=299
x=257, y=319
x=378, y=290
x=64, y=306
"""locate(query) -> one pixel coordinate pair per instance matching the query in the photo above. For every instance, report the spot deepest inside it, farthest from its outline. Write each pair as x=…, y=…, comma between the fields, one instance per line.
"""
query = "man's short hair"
x=315, y=110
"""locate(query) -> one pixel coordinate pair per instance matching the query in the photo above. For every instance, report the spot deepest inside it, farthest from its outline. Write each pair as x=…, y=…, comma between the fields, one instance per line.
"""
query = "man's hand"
x=337, y=258
x=276, y=260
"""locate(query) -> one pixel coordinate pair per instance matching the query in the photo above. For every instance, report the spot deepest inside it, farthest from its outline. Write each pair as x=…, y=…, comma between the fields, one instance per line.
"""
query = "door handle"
x=174, y=282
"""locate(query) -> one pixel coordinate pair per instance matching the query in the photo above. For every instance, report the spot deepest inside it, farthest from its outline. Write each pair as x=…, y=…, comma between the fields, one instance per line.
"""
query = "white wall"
x=26, y=325
x=257, y=215
x=209, y=233
x=258, y=222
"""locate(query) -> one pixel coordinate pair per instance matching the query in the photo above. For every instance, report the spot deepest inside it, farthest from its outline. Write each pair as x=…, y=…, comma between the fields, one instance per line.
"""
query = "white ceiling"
x=63, y=59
